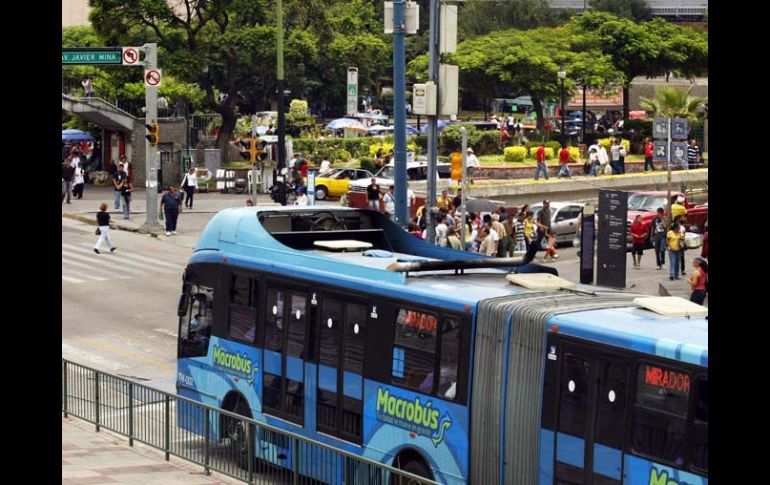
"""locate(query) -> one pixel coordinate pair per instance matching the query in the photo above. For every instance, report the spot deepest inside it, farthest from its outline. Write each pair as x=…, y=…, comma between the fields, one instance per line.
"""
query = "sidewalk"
x=91, y=458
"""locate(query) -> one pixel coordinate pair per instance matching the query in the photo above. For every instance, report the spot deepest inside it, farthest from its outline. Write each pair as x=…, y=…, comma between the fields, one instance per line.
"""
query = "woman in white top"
x=78, y=183
x=326, y=167
x=189, y=184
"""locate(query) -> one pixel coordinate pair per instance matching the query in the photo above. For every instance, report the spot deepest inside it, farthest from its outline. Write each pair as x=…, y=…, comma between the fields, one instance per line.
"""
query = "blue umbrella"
x=411, y=130
x=439, y=126
x=346, y=123
x=379, y=128
x=75, y=135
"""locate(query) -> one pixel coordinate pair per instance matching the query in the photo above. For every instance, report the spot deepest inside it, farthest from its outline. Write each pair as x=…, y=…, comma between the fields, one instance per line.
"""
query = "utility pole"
x=150, y=149
x=399, y=110
x=464, y=134
x=280, y=87
x=433, y=66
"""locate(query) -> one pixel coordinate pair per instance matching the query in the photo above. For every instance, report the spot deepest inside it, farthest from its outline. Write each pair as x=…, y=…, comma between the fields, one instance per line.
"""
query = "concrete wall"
x=172, y=140
x=74, y=12
x=641, y=87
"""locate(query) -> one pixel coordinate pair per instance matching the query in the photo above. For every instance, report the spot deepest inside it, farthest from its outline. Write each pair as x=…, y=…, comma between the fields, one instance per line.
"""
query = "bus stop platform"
x=91, y=458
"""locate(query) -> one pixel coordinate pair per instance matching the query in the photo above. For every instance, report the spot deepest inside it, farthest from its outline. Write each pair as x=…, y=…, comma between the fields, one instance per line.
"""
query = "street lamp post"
x=562, y=75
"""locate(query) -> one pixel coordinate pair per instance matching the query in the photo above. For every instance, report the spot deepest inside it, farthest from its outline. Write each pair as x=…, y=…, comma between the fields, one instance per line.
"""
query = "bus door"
x=283, y=380
x=590, y=416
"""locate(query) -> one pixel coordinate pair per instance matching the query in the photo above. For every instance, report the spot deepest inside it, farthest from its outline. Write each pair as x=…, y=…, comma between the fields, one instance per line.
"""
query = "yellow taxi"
x=335, y=182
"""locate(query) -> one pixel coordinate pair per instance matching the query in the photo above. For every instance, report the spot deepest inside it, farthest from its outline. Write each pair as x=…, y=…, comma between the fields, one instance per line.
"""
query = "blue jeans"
x=674, y=258
x=660, y=251
x=126, y=206
x=374, y=204
x=117, y=199
x=564, y=172
x=541, y=167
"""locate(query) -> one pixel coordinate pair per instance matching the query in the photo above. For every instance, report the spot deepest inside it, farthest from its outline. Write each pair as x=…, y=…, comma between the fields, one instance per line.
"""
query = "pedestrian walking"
x=441, y=230
x=169, y=204
x=67, y=175
x=699, y=280
x=88, y=86
x=638, y=239
x=521, y=245
x=683, y=247
x=543, y=223
x=648, y=147
x=658, y=237
x=604, y=159
x=390, y=202
x=541, y=165
x=674, y=243
x=373, y=195
x=189, y=185
x=453, y=241
x=125, y=194
x=564, y=160
x=615, y=157
x=471, y=163
x=117, y=184
x=593, y=159
x=487, y=245
x=693, y=155
x=78, y=182
x=103, y=221
x=622, y=159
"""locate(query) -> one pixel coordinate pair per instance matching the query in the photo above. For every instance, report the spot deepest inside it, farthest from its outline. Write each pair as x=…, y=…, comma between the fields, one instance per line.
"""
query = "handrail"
x=107, y=413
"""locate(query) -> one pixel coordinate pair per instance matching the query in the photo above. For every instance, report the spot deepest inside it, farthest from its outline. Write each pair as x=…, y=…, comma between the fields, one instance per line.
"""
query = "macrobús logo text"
x=412, y=415
x=232, y=363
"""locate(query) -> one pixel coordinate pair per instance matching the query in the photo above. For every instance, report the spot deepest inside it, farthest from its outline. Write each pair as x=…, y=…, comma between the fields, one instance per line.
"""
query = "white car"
x=414, y=171
x=565, y=219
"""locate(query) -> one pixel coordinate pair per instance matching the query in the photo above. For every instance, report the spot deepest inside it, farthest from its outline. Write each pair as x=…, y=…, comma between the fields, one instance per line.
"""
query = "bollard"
x=207, y=431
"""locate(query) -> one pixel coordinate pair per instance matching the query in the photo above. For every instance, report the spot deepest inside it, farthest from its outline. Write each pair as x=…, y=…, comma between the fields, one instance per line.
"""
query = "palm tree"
x=675, y=103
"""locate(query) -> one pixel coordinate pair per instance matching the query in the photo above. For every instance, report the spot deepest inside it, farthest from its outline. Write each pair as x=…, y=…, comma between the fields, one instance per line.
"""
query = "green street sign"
x=92, y=55
x=514, y=108
x=352, y=88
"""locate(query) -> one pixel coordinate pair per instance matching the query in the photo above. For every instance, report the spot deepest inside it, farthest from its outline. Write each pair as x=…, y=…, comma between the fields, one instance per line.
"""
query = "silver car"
x=565, y=219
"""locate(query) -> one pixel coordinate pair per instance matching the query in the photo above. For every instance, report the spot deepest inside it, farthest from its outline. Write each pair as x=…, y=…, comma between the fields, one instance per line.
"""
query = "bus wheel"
x=237, y=432
x=415, y=466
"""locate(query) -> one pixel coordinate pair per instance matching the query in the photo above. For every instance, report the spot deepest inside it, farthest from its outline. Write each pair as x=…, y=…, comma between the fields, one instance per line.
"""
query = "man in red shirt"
x=648, y=155
x=564, y=160
x=541, y=166
x=638, y=236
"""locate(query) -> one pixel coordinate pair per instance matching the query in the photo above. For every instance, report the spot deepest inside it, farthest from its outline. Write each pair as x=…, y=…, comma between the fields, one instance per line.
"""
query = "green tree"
x=637, y=10
x=479, y=17
x=512, y=63
x=675, y=103
x=645, y=49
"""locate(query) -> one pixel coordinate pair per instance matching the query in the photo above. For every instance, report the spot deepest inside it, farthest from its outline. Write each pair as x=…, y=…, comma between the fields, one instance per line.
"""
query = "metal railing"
x=214, y=438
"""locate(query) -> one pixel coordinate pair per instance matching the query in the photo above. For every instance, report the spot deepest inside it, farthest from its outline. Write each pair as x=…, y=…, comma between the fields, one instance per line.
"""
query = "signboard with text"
x=352, y=91
x=611, y=249
x=607, y=99
x=92, y=55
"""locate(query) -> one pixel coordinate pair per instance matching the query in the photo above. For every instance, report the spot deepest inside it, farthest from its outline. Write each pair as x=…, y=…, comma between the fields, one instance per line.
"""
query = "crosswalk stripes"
x=81, y=265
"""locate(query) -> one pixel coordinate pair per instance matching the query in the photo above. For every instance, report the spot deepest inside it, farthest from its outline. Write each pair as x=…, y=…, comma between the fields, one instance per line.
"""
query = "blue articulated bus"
x=336, y=324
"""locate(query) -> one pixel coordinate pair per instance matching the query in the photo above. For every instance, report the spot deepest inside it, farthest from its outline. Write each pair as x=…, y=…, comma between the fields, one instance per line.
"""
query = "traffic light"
x=152, y=133
x=249, y=149
x=457, y=165
x=261, y=146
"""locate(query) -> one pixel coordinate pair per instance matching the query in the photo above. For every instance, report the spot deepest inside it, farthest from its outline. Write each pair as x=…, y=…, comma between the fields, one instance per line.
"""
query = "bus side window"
x=243, y=308
x=414, y=350
x=274, y=320
x=660, y=413
x=700, y=435
x=451, y=333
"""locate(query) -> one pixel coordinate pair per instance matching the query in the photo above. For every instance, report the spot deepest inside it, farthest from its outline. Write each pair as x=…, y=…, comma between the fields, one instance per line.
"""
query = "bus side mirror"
x=184, y=301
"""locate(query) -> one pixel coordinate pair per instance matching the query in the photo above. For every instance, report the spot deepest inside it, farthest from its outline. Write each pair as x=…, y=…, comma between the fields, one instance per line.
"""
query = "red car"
x=646, y=204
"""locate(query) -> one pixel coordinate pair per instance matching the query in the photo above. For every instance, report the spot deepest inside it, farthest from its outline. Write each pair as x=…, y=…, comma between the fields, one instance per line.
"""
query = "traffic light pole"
x=433, y=67
x=280, y=87
x=399, y=110
x=151, y=150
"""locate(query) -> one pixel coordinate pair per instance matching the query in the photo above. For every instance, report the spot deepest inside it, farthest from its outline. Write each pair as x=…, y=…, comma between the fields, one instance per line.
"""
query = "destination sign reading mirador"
x=105, y=55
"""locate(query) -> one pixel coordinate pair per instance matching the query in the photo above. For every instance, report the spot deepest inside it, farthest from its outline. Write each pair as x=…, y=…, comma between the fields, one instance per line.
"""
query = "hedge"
x=514, y=154
x=549, y=152
x=605, y=142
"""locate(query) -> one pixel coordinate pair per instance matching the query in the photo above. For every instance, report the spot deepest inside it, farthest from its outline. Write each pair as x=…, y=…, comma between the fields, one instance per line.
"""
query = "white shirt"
x=509, y=121
x=441, y=230
x=472, y=161
x=301, y=200
x=292, y=161
x=494, y=234
x=76, y=162
x=390, y=203
x=79, y=176
x=603, y=155
x=325, y=167
x=191, y=180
